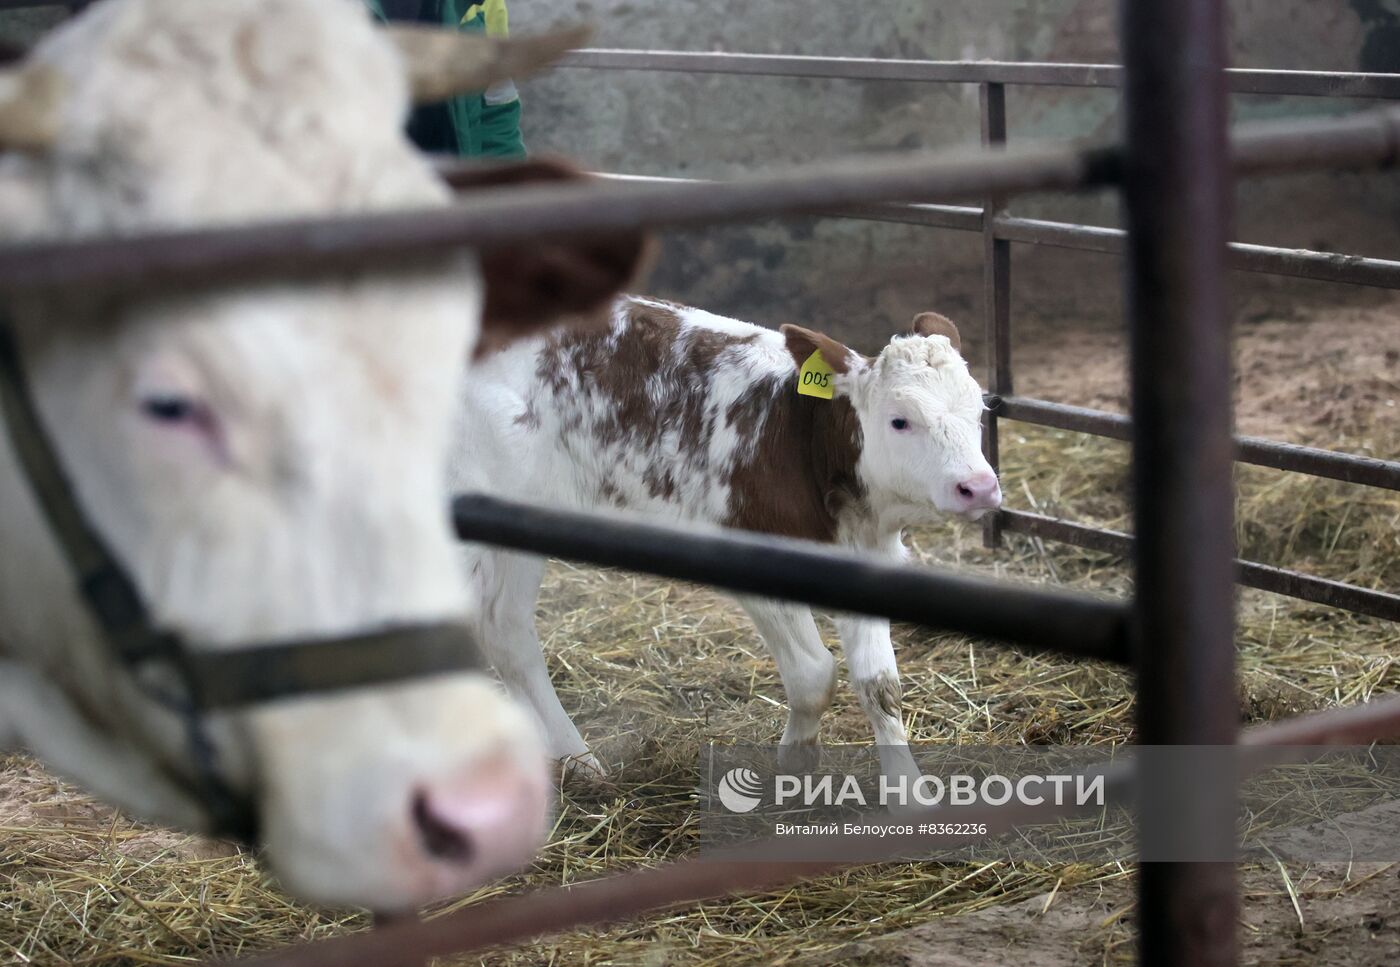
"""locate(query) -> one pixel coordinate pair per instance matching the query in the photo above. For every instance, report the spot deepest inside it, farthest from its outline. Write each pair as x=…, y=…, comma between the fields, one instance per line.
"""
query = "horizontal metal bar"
x=527, y=215
x=1251, y=574
x=1265, y=259
x=1034, y=619
x=1373, y=721
x=961, y=218
x=1278, y=147
x=1241, y=81
x=1296, y=263
x=760, y=865
x=507, y=216
x=1347, y=467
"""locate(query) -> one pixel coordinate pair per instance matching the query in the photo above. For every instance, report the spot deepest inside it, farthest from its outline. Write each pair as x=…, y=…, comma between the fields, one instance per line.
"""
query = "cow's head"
x=269, y=461
x=920, y=415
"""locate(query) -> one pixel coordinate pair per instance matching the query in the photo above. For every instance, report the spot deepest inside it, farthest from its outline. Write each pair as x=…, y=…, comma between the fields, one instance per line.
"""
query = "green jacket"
x=485, y=125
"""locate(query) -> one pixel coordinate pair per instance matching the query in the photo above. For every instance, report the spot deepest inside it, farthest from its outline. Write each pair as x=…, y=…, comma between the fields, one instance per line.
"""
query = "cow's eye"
x=899, y=423
x=169, y=409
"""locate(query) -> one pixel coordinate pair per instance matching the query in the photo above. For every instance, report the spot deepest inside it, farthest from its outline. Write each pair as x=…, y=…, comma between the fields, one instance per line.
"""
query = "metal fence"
x=1000, y=230
x=1175, y=169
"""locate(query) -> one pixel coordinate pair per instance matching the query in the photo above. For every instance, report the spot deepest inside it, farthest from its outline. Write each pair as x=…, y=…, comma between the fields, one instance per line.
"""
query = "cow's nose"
x=978, y=492
x=489, y=818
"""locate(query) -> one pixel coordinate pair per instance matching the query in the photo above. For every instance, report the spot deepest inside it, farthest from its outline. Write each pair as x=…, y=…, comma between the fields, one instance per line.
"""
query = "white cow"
x=684, y=415
x=267, y=461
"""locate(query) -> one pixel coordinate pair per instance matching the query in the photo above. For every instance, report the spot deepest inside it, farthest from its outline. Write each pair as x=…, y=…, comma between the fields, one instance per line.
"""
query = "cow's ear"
x=803, y=342
x=932, y=324
x=529, y=287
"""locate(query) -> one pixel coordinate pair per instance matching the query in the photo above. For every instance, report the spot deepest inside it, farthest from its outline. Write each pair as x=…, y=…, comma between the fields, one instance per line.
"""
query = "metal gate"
x=1176, y=169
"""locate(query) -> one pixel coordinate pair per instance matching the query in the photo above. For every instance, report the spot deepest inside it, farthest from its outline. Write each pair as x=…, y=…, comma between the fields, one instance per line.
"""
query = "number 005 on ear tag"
x=816, y=377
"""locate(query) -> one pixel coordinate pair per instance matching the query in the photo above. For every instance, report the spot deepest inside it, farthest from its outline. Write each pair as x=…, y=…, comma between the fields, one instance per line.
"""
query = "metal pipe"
x=1241, y=81
x=1256, y=451
x=504, y=217
x=623, y=896
x=1178, y=196
x=996, y=296
x=1264, y=259
x=1251, y=574
x=1034, y=619
x=960, y=218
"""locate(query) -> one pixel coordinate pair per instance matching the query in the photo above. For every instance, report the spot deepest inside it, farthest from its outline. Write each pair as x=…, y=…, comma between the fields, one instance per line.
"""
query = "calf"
x=685, y=415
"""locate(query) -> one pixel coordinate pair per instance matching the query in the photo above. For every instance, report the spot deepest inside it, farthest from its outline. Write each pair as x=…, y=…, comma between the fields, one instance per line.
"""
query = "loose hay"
x=653, y=670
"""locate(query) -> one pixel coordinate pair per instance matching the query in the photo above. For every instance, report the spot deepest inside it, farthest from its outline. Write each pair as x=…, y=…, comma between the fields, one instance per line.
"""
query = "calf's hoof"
x=799, y=758
x=583, y=767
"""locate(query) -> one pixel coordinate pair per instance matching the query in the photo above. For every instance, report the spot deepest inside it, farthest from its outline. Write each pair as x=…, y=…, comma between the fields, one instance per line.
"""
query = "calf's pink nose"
x=490, y=819
x=979, y=492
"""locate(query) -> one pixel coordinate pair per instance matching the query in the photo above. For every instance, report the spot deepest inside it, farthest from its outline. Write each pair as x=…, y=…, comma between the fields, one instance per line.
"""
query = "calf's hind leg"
x=808, y=672
x=507, y=587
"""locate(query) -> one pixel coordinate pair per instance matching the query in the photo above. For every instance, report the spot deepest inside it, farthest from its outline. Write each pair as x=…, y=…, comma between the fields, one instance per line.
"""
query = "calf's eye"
x=899, y=423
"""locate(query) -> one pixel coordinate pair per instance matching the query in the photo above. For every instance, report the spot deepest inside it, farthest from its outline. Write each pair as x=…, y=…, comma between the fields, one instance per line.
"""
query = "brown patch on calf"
x=801, y=472
x=620, y=367
x=881, y=694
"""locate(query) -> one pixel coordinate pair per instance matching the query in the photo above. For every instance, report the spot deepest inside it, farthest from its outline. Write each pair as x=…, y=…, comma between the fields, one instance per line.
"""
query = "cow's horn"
x=29, y=107
x=443, y=63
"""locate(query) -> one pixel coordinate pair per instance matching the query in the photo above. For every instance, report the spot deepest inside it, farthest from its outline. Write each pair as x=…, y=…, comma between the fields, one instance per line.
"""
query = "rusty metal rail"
x=1251, y=574
x=1314, y=462
x=1019, y=73
x=623, y=896
x=1262, y=259
x=1034, y=619
x=504, y=217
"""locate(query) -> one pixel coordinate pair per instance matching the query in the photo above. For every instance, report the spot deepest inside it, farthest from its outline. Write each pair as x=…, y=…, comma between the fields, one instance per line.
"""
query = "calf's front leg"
x=875, y=678
x=808, y=672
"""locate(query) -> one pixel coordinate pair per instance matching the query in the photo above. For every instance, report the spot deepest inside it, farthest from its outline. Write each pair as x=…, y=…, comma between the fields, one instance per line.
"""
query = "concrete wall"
x=864, y=280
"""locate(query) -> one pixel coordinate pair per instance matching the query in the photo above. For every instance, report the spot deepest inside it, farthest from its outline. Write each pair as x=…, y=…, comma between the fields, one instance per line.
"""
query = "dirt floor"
x=653, y=670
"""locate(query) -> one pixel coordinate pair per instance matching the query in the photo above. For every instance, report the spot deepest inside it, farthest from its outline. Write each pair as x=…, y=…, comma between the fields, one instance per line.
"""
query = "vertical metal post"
x=1178, y=196
x=996, y=297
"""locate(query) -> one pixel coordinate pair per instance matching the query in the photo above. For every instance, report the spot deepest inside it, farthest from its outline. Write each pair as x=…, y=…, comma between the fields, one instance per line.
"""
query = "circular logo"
x=740, y=790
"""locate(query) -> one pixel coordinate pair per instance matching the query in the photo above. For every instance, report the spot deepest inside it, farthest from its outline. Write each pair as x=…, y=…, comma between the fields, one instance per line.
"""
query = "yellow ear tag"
x=816, y=377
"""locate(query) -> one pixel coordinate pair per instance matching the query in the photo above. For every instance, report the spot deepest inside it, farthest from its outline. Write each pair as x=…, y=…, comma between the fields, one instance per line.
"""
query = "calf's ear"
x=932, y=324
x=803, y=342
x=530, y=287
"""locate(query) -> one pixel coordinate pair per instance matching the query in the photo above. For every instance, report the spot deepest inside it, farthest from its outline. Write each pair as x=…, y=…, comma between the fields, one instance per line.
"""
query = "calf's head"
x=919, y=411
x=268, y=462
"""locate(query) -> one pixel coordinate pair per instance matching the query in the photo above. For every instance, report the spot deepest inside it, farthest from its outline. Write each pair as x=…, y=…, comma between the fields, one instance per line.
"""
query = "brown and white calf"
x=685, y=415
